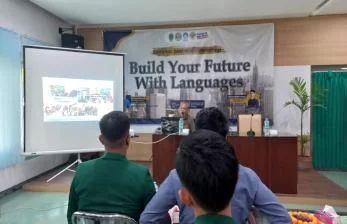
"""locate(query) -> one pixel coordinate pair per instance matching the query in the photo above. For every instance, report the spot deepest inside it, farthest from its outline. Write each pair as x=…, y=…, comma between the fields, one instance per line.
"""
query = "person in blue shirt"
x=253, y=103
x=208, y=170
x=250, y=190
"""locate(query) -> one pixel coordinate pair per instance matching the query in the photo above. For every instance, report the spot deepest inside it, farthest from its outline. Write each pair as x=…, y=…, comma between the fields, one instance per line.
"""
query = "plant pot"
x=304, y=163
x=306, y=149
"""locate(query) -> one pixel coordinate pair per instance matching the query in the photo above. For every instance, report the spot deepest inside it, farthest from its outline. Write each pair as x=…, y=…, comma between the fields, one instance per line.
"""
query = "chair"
x=98, y=218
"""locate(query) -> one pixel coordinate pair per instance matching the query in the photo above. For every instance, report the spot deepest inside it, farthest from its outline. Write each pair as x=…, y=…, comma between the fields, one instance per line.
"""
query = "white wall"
x=25, y=18
x=287, y=119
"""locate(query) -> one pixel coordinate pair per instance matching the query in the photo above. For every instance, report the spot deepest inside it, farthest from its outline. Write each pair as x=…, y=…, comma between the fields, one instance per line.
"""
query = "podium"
x=249, y=122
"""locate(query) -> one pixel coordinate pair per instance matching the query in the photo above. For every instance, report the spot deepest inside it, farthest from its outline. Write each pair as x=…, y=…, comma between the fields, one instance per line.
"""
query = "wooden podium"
x=249, y=122
x=274, y=159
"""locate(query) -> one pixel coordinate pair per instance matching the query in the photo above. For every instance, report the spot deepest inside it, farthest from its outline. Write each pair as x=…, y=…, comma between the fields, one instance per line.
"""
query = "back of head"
x=114, y=128
x=207, y=169
x=213, y=119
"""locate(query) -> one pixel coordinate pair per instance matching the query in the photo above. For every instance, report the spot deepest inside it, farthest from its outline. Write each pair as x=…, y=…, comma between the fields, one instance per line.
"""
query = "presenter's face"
x=184, y=110
x=252, y=95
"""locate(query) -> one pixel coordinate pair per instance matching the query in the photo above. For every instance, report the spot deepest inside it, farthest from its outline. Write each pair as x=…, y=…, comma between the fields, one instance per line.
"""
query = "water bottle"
x=180, y=126
x=233, y=127
x=175, y=215
x=266, y=127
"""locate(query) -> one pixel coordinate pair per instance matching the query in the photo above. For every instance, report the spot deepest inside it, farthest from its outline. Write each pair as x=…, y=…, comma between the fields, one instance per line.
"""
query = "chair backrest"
x=99, y=218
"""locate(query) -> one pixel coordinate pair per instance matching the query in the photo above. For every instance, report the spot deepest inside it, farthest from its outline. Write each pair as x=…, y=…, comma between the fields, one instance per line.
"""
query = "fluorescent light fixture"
x=319, y=7
x=344, y=68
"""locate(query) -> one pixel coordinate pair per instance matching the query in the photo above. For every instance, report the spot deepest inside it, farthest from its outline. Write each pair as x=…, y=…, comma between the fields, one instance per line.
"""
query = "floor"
x=26, y=207
x=33, y=208
x=339, y=178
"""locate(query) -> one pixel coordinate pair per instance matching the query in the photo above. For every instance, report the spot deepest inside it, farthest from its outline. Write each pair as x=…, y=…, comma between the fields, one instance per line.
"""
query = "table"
x=274, y=159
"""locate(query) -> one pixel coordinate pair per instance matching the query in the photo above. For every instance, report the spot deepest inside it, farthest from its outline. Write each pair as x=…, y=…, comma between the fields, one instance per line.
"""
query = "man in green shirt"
x=111, y=184
x=208, y=171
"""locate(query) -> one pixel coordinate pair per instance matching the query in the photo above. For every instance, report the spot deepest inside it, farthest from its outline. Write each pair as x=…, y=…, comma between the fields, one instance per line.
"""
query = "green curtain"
x=329, y=125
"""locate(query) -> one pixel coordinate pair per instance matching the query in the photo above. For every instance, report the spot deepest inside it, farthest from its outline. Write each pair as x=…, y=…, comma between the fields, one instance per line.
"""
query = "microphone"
x=251, y=133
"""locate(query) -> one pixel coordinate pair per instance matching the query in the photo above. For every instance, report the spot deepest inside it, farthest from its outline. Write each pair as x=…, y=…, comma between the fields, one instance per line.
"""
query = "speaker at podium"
x=250, y=124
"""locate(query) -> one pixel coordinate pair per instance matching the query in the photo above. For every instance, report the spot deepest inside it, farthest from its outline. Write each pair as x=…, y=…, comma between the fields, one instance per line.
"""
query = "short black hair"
x=252, y=91
x=208, y=169
x=114, y=126
x=213, y=119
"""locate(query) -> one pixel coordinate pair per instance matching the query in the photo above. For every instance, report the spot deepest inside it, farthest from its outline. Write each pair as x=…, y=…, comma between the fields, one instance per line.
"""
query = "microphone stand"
x=251, y=133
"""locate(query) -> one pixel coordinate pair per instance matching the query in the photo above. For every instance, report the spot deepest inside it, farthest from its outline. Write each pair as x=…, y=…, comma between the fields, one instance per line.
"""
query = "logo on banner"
x=171, y=37
x=178, y=36
x=185, y=36
x=192, y=35
x=188, y=36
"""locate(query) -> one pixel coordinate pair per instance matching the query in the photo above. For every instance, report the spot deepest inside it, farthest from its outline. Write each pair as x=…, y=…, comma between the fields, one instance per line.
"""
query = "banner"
x=213, y=66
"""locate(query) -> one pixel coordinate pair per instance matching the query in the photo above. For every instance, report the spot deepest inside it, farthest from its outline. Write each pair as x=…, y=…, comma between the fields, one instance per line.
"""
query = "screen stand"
x=78, y=161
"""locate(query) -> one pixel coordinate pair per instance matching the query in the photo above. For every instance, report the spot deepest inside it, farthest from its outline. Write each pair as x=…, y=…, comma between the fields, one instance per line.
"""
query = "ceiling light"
x=319, y=7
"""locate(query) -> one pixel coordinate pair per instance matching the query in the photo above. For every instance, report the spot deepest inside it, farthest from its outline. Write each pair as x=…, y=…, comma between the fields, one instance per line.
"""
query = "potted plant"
x=304, y=140
x=303, y=103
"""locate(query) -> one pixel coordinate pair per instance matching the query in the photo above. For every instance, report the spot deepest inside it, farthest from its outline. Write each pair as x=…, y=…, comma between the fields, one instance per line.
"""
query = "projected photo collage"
x=66, y=99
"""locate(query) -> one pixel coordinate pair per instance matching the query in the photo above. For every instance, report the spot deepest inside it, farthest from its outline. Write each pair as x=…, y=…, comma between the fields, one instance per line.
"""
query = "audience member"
x=111, y=184
x=208, y=171
x=250, y=190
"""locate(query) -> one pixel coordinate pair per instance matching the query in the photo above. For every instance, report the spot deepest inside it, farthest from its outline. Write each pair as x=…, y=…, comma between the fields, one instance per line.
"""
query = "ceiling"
x=151, y=12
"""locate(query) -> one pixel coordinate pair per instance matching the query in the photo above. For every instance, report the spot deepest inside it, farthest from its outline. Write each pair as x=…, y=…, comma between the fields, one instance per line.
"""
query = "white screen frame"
x=90, y=128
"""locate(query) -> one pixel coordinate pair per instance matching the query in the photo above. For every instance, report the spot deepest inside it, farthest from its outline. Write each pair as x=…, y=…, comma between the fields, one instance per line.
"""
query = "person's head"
x=211, y=118
x=184, y=109
x=114, y=128
x=208, y=171
x=252, y=92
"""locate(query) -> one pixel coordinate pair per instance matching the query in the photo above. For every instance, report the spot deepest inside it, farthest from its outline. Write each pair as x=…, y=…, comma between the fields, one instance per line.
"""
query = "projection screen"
x=66, y=92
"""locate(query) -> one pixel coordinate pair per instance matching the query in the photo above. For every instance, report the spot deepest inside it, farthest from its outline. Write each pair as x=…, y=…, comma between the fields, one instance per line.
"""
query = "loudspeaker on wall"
x=72, y=41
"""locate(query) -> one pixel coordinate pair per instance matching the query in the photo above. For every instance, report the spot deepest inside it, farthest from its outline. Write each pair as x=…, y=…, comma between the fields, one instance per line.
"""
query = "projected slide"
x=76, y=99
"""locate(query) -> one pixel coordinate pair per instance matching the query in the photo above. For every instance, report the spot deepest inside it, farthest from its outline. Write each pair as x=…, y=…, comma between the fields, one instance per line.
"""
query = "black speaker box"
x=72, y=41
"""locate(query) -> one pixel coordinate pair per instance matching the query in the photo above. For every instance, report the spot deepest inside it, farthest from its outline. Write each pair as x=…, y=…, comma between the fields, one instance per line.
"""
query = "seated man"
x=250, y=191
x=208, y=171
x=183, y=111
x=111, y=184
